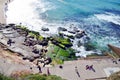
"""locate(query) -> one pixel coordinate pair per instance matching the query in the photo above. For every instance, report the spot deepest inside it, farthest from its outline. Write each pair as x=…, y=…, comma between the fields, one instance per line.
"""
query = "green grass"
x=2, y=77
x=42, y=77
x=58, y=54
x=32, y=77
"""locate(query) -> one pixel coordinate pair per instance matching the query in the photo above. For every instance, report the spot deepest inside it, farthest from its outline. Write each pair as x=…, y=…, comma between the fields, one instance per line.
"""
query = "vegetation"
x=22, y=27
x=2, y=77
x=64, y=41
x=32, y=77
x=115, y=76
x=59, y=54
x=42, y=77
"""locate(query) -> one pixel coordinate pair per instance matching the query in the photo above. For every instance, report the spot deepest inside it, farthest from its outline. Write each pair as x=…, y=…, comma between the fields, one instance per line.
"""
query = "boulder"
x=79, y=35
x=12, y=24
x=45, y=29
x=114, y=49
x=62, y=29
x=73, y=32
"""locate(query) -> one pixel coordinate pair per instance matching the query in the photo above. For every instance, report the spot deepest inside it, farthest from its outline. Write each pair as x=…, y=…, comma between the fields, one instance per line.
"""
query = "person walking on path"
x=87, y=67
x=76, y=70
x=48, y=72
x=40, y=71
x=91, y=68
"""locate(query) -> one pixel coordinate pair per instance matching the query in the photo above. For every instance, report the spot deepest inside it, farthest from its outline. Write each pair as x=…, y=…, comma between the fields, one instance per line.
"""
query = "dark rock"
x=54, y=42
x=7, y=26
x=70, y=36
x=36, y=51
x=79, y=44
x=61, y=35
x=79, y=35
x=31, y=59
x=12, y=24
x=62, y=29
x=44, y=43
x=45, y=29
x=73, y=32
x=24, y=58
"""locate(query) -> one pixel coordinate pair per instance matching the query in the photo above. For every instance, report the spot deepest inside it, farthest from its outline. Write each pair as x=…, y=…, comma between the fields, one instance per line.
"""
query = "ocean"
x=99, y=18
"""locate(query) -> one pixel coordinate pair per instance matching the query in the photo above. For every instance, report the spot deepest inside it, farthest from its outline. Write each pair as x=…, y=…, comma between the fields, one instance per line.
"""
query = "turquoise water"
x=99, y=18
x=75, y=9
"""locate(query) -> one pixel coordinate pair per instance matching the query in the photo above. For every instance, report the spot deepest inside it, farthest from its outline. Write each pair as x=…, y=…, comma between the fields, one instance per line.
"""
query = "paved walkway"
x=68, y=71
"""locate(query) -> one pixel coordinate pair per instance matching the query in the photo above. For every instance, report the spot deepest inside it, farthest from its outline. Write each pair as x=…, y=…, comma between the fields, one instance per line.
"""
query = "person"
x=48, y=72
x=87, y=67
x=114, y=61
x=47, y=61
x=9, y=42
x=31, y=69
x=91, y=68
x=76, y=70
x=61, y=67
x=40, y=71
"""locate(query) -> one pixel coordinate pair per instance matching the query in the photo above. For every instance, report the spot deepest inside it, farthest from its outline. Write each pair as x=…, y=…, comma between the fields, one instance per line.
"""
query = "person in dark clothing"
x=47, y=61
x=87, y=67
x=76, y=70
x=91, y=68
x=48, y=72
x=9, y=42
x=40, y=71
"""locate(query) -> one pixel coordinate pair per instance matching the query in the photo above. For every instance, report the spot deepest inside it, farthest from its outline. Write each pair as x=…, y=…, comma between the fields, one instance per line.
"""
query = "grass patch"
x=2, y=77
x=58, y=54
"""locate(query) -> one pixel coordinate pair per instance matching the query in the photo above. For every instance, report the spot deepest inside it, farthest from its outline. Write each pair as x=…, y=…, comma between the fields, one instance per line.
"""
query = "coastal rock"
x=70, y=36
x=44, y=29
x=73, y=32
x=43, y=43
x=79, y=35
x=62, y=29
x=12, y=24
x=79, y=43
x=114, y=49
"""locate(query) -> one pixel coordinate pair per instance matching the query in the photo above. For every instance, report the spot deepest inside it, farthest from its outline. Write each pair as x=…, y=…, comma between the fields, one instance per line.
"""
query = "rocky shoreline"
x=33, y=46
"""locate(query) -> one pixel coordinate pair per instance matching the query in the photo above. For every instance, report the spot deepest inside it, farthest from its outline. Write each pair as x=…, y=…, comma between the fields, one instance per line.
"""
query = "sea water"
x=99, y=18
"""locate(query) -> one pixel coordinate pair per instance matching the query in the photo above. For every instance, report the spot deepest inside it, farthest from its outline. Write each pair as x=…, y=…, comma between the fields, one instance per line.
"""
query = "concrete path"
x=68, y=71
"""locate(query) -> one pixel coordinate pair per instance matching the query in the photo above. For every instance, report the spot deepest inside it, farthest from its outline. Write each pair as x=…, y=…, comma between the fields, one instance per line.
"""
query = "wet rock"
x=7, y=26
x=12, y=24
x=45, y=29
x=79, y=35
x=79, y=44
x=62, y=29
x=73, y=32
x=70, y=36
x=43, y=43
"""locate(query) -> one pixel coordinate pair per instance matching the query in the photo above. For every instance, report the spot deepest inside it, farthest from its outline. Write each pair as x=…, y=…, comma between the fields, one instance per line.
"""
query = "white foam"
x=109, y=17
x=24, y=11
